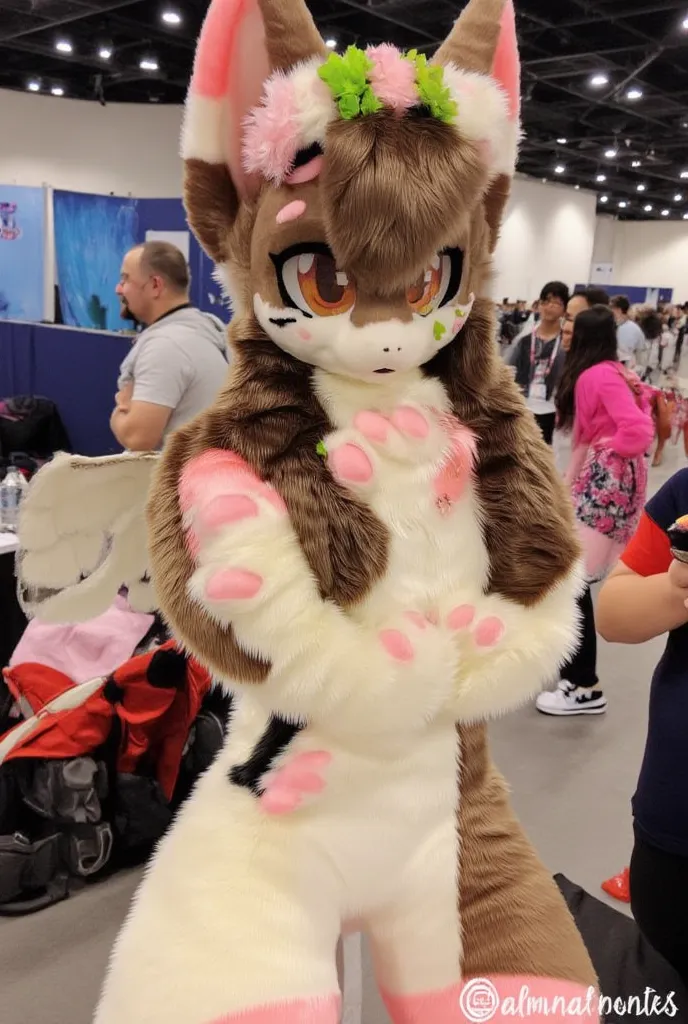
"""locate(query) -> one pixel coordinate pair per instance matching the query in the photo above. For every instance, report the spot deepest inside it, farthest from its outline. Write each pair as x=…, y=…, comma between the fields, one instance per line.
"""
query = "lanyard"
x=553, y=356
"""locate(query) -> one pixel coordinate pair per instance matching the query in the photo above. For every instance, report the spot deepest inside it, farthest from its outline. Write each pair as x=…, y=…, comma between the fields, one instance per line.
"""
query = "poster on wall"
x=22, y=245
x=92, y=234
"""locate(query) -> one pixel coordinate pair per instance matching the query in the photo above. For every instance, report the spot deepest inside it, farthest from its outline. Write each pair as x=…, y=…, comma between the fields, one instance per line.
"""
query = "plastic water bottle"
x=12, y=490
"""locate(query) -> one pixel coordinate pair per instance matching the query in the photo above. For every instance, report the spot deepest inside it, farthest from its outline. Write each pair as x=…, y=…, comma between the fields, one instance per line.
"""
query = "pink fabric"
x=426, y=1008
x=601, y=553
x=606, y=410
x=393, y=79
x=88, y=649
x=301, y=1011
x=506, y=68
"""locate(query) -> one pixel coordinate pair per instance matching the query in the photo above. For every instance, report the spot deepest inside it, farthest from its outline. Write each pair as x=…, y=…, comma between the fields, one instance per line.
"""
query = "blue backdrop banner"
x=92, y=234
x=22, y=244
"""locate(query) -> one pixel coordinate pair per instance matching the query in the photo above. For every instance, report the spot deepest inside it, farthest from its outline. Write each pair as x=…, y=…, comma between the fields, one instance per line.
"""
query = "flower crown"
x=363, y=82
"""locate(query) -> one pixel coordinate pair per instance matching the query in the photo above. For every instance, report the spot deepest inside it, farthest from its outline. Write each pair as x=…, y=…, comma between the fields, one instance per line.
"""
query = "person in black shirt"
x=647, y=596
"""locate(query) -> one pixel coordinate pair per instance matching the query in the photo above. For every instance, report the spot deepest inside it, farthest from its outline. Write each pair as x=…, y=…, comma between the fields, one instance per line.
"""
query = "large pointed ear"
x=483, y=43
x=242, y=43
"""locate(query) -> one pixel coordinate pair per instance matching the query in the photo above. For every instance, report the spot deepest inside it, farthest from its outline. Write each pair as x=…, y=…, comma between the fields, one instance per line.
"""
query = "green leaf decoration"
x=432, y=91
x=321, y=449
x=459, y=313
x=347, y=79
x=438, y=330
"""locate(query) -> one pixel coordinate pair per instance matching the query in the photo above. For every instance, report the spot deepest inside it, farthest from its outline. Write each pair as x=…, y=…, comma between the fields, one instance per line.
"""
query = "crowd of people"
x=588, y=366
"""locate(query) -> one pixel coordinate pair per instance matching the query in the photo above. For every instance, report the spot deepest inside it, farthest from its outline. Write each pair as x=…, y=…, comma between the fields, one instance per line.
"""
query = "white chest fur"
x=436, y=543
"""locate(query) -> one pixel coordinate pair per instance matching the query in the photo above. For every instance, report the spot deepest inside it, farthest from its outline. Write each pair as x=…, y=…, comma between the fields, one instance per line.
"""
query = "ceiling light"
x=648, y=208
x=665, y=213
x=577, y=188
x=610, y=153
x=641, y=188
x=331, y=44
x=684, y=25
x=634, y=94
x=600, y=178
x=148, y=64
x=57, y=90
x=560, y=169
x=684, y=174
x=171, y=18
x=599, y=80
x=685, y=216
x=623, y=204
x=678, y=198
x=604, y=199
x=64, y=46
x=33, y=87
x=562, y=142
x=636, y=163
x=105, y=53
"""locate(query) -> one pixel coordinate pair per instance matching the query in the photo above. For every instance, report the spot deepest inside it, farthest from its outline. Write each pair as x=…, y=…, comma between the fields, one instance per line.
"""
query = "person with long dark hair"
x=608, y=411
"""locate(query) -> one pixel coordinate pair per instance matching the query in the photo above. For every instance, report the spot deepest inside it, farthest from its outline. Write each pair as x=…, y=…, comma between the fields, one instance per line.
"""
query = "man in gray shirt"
x=178, y=364
x=630, y=338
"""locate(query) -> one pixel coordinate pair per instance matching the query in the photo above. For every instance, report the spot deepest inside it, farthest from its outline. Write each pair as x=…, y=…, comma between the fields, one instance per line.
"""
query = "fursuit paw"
x=422, y=446
x=424, y=654
x=240, y=535
x=285, y=788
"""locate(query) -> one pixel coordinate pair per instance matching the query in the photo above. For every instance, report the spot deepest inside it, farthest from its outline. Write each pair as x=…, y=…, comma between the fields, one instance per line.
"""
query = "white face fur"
x=318, y=328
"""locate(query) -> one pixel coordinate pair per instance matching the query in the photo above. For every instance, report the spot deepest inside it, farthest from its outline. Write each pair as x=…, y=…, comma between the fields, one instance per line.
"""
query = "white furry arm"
x=509, y=652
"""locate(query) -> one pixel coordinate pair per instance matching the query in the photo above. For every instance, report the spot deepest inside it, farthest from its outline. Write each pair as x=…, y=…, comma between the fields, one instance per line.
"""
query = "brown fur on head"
x=395, y=192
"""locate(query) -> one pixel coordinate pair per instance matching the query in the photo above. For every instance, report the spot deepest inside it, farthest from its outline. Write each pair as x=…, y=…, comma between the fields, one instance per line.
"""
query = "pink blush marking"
x=450, y=482
x=292, y=211
x=489, y=632
x=372, y=425
x=417, y=619
x=461, y=617
x=233, y=584
x=350, y=463
x=304, y=334
x=308, y=172
x=409, y=421
x=397, y=645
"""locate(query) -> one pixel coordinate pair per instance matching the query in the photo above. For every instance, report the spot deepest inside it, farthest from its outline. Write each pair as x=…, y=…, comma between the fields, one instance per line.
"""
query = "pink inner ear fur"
x=232, y=65
x=506, y=68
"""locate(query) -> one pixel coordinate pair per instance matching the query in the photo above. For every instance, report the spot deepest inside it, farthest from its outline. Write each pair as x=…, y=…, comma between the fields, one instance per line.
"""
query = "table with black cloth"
x=77, y=369
x=12, y=620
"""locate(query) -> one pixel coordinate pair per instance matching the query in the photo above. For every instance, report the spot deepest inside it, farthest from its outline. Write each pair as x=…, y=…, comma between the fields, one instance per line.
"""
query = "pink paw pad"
x=372, y=425
x=409, y=421
x=397, y=645
x=351, y=464
x=285, y=788
x=461, y=617
x=226, y=508
x=232, y=585
x=417, y=619
x=488, y=632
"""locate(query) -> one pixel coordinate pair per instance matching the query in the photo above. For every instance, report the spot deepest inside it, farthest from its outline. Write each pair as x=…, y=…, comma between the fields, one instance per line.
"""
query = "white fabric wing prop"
x=82, y=536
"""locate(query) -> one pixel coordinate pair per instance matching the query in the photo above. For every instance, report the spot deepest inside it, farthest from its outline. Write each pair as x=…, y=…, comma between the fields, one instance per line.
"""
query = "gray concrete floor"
x=572, y=782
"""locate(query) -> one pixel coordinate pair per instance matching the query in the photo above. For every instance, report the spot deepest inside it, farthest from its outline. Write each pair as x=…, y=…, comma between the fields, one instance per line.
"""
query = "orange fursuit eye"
x=424, y=294
x=325, y=290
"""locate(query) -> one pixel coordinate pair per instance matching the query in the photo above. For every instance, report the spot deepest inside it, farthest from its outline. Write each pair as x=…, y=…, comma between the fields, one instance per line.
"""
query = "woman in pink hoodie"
x=608, y=410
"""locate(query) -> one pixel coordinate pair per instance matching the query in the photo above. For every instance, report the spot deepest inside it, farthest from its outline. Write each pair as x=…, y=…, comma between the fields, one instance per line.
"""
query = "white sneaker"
x=568, y=699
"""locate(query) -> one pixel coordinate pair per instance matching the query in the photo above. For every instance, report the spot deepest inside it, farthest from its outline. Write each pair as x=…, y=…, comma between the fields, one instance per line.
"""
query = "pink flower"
x=393, y=79
x=271, y=133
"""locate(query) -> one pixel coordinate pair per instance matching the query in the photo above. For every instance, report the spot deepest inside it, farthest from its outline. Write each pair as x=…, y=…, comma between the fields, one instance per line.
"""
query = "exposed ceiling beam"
x=375, y=12
x=59, y=22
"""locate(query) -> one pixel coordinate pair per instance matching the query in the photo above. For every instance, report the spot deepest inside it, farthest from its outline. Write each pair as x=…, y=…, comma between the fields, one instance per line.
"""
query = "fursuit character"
x=364, y=538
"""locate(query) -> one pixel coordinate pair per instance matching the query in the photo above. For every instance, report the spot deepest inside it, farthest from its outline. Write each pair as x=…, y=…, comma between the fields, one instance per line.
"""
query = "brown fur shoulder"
x=528, y=519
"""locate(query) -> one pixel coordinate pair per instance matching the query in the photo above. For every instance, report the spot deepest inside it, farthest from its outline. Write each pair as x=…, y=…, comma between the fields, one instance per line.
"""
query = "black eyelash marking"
x=282, y=321
x=304, y=156
x=276, y=738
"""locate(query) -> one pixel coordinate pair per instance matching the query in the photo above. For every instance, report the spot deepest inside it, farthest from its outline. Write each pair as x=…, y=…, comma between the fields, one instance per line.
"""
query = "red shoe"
x=619, y=887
